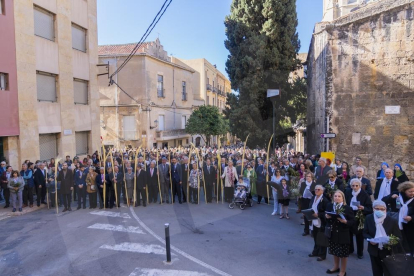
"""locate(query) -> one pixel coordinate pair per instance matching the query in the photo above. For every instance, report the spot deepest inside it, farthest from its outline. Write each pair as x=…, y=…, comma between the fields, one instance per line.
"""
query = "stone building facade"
x=360, y=85
x=156, y=101
x=50, y=49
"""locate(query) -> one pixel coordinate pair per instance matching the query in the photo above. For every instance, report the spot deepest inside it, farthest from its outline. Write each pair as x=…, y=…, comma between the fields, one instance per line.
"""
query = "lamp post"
x=272, y=94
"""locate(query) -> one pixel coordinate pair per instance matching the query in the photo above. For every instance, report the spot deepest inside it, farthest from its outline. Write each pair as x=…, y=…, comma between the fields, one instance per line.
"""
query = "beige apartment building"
x=50, y=49
x=153, y=101
x=213, y=88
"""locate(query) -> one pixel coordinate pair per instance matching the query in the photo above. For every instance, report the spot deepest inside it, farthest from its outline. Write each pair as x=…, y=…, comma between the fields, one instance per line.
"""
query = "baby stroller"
x=242, y=196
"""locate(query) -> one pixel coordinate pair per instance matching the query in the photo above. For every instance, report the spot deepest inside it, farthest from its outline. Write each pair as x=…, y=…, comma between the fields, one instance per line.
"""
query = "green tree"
x=263, y=45
x=207, y=121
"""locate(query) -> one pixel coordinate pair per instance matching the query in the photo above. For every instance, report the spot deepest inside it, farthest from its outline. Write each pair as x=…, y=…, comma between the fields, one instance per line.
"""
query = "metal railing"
x=171, y=133
x=208, y=86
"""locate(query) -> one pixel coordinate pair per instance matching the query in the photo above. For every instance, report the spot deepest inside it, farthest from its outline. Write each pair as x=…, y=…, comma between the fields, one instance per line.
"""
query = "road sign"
x=273, y=92
x=328, y=135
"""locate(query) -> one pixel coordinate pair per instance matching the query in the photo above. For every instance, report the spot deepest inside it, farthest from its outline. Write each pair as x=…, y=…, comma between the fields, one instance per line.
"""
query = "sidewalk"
x=7, y=212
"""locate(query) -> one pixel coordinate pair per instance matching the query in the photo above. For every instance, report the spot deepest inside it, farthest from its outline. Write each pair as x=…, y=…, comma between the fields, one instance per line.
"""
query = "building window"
x=82, y=139
x=78, y=38
x=80, y=91
x=44, y=25
x=187, y=142
x=208, y=100
x=46, y=87
x=184, y=91
x=130, y=128
x=183, y=122
x=2, y=8
x=48, y=146
x=160, y=86
x=4, y=81
x=161, y=123
x=213, y=101
x=180, y=143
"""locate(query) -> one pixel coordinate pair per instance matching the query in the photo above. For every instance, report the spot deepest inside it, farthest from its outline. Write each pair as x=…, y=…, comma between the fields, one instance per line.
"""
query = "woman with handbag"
x=340, y=218
x=91, y=189
x=403, y=203
x=379, y=225
x=361, y=204
x=318, y=204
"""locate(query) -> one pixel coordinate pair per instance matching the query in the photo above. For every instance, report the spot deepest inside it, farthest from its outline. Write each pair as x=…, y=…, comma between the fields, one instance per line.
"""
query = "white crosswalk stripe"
x=136, y=247
x=110, y=214
x=161, y=272
x=117, y=228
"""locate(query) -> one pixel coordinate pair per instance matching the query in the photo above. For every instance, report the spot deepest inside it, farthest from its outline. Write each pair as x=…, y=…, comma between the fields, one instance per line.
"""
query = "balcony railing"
x=215, y=89
x=208, y=87
x=171, y=133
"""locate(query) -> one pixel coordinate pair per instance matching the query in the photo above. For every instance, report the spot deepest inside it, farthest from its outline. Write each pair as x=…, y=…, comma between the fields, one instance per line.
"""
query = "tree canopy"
x=206, y=121
x=263, y=45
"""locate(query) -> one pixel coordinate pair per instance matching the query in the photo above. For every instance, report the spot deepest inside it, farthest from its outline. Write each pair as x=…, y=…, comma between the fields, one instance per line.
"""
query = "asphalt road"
x=206, y=239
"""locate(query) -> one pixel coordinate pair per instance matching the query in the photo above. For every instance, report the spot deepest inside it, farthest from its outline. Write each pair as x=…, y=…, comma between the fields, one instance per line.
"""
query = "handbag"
x=399, y=264
x=322, y=239
x=93, y=187
x=328, y=231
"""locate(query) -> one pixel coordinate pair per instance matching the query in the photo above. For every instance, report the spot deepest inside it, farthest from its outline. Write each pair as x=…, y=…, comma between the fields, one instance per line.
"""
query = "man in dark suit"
x=40, y=183
x=184, y=178
x=65, y=177
x=322, y=169
x=261, y=182
x=370, y=229
x=152, y=180
x=210, y=178
x=176, y=176
x=117, y=179
x=101, y=178
x=80, y=182
x=164, y=170
x=366, y=183
x=386, y=186
x=141, y=186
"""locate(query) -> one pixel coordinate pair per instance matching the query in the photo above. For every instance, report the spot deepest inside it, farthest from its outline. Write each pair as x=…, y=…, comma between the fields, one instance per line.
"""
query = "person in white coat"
x=229, y=175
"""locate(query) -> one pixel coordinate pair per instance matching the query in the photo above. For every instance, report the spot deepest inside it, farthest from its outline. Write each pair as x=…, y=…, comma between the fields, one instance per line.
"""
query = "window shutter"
x=81, y=142
x=129, y=128
x=48, y=146
x=46, y=87
x=43, y=24
x=161, y=122
x=78, y=38
x=80, y=92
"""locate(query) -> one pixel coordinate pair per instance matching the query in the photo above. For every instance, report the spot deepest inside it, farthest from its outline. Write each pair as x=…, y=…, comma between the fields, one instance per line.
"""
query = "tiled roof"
x=121, y=49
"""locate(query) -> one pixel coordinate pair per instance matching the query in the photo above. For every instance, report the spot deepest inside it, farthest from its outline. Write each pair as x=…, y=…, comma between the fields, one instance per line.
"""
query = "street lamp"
x=156, y=124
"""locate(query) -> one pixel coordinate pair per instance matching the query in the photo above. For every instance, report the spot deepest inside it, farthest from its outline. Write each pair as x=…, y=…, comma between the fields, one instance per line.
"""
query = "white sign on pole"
x=67, y=132
x=273, y=92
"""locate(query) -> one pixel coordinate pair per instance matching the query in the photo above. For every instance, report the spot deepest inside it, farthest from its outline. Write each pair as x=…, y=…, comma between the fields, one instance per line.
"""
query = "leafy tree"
x=263, y=45
x=207, y=121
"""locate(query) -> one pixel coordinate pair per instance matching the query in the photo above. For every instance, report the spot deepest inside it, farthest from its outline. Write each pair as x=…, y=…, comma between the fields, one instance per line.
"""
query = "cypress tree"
x=263, y=45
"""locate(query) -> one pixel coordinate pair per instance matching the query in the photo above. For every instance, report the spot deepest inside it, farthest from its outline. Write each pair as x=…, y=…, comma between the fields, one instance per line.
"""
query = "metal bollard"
x=167, y=242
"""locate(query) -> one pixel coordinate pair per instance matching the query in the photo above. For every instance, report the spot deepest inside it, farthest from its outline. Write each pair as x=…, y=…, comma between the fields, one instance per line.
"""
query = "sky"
x=189, y=29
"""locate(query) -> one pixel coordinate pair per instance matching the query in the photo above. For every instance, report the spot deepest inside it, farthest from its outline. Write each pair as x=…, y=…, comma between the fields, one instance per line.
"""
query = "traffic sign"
x=328, y=135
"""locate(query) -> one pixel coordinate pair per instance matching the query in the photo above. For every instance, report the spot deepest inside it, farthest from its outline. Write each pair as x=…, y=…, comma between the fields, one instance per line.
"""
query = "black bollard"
x=167, y=242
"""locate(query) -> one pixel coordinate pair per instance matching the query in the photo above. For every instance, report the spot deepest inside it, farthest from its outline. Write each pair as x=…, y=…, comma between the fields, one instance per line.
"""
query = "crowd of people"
x=337, y=200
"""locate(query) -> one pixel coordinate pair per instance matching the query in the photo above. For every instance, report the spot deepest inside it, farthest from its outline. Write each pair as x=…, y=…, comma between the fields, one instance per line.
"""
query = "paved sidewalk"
x=7, y=212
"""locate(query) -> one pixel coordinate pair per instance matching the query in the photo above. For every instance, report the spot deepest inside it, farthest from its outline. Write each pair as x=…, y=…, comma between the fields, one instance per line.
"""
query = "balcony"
x=208, y=87
x=215, y=89
x=171, y=134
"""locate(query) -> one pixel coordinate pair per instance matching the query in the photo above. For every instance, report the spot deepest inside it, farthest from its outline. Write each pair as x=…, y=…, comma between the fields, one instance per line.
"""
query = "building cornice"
x=150, y=56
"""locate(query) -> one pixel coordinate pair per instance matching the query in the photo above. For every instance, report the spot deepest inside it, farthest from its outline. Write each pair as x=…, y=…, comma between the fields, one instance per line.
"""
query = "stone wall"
x=358, y=65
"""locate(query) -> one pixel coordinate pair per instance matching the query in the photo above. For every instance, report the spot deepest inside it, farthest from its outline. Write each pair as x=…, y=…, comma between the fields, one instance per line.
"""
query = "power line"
x=144, y=36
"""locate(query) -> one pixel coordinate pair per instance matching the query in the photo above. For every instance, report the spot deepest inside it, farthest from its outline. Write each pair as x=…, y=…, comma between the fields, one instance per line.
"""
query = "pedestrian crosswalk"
x=137, y=248
x=117, y=228
x=161, y=272
x=142, y=246
x=111, y=214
